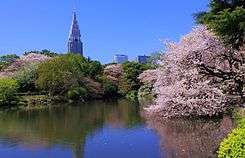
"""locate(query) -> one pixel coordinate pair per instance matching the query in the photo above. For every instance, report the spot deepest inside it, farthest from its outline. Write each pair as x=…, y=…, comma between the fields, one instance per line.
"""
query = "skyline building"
x=120, y=58
x=75, y=44
x=142, y=59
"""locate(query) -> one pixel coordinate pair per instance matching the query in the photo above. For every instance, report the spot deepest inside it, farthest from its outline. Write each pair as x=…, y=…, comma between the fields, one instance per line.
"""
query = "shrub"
x=132, y=95
x=110, y=89
x=77, y=93
x=131, y=72
x=145, y=93
x=26, y=77
x=239, y=114
x=234, y=145
x=94, y=69
x=58, y=75
x=8, y=90
x=95, y=88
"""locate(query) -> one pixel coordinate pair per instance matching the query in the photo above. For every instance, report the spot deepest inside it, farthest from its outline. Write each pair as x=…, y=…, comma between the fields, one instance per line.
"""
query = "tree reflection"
x=191, y=138
x=67, y=126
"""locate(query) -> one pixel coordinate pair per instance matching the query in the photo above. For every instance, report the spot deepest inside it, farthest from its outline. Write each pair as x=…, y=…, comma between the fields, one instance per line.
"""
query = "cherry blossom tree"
x=199, y=76
x=113, y=72
x=148, y=77
x=23, y=61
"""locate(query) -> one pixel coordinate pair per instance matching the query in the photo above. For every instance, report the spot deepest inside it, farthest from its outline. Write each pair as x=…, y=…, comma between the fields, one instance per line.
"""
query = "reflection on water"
x=191, y=138
x=105, y=130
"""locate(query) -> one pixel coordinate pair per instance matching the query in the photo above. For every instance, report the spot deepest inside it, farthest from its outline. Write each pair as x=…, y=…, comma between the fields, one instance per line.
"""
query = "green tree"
x=26, y=78
x=94, y=69
x=63, y=73
x=131, y=72
x=227, y=19
x=110, y=89
x=58, y=75
x=8, y=90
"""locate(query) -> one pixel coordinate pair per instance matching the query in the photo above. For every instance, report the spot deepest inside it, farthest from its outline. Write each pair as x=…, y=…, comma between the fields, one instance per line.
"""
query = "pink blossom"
x=31, y=58
x=185, y=84
x=148, y=77
x=113, y=72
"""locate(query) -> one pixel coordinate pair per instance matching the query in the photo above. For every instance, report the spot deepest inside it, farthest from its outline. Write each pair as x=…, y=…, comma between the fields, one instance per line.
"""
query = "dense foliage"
x=58, y=75
x=233, y=146
x=93, y=69
x=64, y=74
x=130, y=81
x=110, y=89
x=8, y=90
x=26, y=78
x=123, y=78
x=77, y=93
x=227, y=19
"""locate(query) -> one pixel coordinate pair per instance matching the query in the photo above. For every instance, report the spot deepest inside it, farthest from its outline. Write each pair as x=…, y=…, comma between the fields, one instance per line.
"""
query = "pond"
x=100, y=129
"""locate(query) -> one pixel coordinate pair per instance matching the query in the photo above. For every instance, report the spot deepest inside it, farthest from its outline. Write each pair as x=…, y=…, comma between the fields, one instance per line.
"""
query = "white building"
x=120, y=58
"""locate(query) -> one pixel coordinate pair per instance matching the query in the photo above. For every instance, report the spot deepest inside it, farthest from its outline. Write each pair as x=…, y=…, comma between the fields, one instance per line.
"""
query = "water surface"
x=106, y=130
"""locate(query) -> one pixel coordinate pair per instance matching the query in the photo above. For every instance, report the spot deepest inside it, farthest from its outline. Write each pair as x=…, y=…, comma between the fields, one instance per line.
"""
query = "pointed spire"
x=74, y=42
x=74, y=31
x=74, y=16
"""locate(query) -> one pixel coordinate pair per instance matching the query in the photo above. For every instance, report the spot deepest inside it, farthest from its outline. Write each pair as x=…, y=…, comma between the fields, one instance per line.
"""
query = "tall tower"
x=75, y=44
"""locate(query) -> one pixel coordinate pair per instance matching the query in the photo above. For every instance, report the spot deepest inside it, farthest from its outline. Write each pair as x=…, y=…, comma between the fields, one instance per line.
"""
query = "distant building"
x=75, y=44
x=120, y=58
x=143, y=59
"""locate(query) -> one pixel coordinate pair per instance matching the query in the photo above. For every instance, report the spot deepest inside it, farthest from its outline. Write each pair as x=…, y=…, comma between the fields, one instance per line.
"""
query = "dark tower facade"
x=75, y=44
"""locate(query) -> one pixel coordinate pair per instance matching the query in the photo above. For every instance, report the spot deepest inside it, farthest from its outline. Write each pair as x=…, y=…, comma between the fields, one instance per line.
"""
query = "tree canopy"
x=227, y=19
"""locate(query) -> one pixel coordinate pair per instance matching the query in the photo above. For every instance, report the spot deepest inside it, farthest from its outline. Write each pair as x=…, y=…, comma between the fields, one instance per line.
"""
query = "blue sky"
x=108, y=27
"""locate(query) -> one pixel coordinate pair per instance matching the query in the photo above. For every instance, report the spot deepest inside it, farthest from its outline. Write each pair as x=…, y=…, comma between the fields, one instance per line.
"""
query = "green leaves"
x=26, y=77
x=8, y=90
x=234, y=145
x=230, y=26
x=131, y=72
x=227, y=20
x=59, y=75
